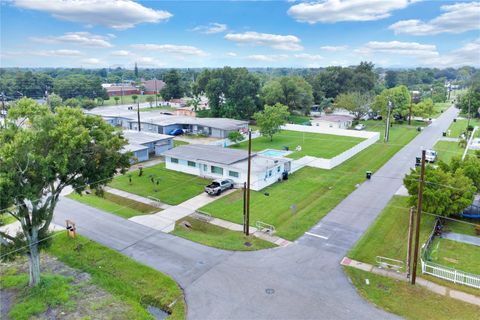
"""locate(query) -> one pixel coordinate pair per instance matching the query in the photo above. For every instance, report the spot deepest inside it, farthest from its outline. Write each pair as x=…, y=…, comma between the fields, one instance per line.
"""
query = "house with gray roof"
x=144, y=144
x=216, y=162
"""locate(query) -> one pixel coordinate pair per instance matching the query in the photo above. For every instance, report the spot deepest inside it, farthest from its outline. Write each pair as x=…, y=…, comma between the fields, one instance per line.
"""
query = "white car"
x=360, y=126
x=430, y=156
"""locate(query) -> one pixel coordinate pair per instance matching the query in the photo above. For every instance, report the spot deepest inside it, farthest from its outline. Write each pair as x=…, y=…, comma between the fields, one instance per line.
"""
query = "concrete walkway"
x=431, y=286
x=449, y=139
x=166, y=219
x=462, y=238
x=146, y=164
x=131, y=196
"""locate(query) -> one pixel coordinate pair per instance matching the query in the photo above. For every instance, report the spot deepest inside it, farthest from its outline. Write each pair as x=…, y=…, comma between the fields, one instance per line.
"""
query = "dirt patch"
x=88, y=301
x=451, y=260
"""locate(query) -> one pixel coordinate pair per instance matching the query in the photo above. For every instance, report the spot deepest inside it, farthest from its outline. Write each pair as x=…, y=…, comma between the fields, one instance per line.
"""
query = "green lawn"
x=297, y=119
x=127, y=100
x=133, y=282
x=117, y=205
x=440, y=107
x=447, y=150
x=6, y=218
x=177, y=143
x=407, y=301
x=173, y=187
x=313, y=144
x=153, y=108
x=458, y=127
x=453, y=254
x=463, y=228
x=214, y=236
x=314, y=191
x=387, y=236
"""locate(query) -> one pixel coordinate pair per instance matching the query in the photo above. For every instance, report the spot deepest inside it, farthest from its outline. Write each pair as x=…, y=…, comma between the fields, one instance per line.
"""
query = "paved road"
x=306, y=277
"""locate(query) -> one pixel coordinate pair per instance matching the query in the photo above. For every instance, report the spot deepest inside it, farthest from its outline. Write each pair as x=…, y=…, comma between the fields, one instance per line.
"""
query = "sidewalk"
x=137, y=198
x=431, y=286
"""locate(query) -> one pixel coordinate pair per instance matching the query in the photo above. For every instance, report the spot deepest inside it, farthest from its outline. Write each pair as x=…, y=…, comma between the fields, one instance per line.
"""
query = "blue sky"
x=103, y=33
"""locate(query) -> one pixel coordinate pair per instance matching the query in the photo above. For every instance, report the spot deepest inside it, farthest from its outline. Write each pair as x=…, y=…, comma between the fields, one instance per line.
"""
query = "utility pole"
x=387, y=123
x=245, y=207
x=138, y=116
x=419, y=214
x=410, y=111
x=469, y=114
x=409, y=241
x=121, y=88
x=156, y=92
x=247, y=223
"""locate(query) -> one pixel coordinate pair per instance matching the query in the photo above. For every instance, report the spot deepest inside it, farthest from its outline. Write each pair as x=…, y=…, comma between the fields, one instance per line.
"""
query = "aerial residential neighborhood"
x=240, y=159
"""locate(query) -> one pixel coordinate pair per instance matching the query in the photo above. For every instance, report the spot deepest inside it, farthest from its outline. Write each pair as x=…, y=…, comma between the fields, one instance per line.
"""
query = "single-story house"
x=140, y=152
x=121, y=90
x=215, y=162
x=333, y=121
x=144, y=144
x=159, y=122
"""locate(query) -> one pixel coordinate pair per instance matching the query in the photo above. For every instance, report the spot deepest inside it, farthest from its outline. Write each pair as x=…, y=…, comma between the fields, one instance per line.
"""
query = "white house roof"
x=142, y=137
x=132, y=147
x=234, y=158
x=333, y=118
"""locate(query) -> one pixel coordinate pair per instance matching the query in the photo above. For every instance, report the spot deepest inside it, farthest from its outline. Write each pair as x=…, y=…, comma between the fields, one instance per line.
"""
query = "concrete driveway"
x=302, y=281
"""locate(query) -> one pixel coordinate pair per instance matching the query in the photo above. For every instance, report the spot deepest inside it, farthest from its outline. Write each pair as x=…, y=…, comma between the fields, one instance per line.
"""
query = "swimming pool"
x=274, y=153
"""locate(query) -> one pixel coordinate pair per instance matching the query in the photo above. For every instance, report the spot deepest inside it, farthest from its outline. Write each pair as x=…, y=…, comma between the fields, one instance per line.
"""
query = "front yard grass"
x=313, y=144
x=407, y=301
x=457, y=255
x=314, y=191
x=133, y=282
x=214, y=236
x=117, y=205
x=460, y=126
x=387, y=236
x=173, y=187
x=447, y=150
x=460, y=227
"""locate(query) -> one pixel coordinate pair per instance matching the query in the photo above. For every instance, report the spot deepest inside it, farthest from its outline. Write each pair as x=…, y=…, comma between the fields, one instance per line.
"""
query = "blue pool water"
x=274, y=153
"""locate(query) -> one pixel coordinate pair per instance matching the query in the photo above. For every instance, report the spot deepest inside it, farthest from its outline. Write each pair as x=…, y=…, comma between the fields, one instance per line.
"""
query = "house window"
x=278, y=169
x=205, y=167
x=173, y=160
x=217, y=170
x=191, y=164
x=270, y=173
x=233, y=174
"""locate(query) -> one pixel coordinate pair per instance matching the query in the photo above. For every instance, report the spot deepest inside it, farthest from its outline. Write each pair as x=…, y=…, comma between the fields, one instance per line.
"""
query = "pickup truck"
x=218, y=186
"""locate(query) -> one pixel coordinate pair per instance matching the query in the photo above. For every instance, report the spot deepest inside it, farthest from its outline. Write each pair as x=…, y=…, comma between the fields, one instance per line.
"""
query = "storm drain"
x=157, y=313
x=269, y=291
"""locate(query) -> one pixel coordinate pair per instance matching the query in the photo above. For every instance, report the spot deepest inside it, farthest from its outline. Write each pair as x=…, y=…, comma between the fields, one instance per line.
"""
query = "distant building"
x=114, y=90
x=333, y=121
x=152, y=86
x=215, y=162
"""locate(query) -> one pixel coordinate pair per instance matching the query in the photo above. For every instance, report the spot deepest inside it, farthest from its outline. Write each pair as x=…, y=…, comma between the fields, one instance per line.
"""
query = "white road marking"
x=316, y=235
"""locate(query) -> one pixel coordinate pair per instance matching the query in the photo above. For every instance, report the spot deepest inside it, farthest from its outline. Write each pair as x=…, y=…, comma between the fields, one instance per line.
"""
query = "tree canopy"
x=173, y=86
x=400, y=98
x=357, y=103
x=292, y=91
x=41, y=153
x=271, y=119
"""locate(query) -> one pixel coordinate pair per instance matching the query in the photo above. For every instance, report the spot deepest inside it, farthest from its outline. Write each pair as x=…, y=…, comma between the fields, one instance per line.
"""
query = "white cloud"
x=307, y=56
x=231, y=54
x=267, y=58
x=85, y=39
x=413, y=49
x=91, y=61
x=58, y=53
x=458, y=18
x=121, y=53
x=330, y=11
x=121, y=14
x=276, y=41
x=468, y=55
x=334, y=48
x=171, y=48
x=149, y=62
x=211, y=28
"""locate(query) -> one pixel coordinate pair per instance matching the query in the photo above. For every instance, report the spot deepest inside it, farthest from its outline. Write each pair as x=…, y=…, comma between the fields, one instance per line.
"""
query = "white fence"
x=227, y=143
x=332, y=131
x=451, y=274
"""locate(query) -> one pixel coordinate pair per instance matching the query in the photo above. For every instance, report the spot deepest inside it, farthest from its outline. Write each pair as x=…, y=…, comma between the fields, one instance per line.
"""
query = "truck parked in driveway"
x=218, y=186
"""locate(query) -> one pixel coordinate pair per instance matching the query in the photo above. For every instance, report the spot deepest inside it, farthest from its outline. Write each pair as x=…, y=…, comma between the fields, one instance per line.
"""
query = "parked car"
x=218, y=186
x=176, y=132
x=377, y=117
x=430, y=155
x=360, y=126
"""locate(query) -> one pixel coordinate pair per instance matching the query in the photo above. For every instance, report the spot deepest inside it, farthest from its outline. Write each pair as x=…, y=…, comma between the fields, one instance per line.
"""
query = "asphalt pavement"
x=301, y=281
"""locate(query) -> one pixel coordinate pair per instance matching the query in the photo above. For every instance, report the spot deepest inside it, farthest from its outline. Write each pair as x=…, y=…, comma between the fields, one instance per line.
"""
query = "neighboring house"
x=215, y=162
x=125, y=90
x=188, y=112
x=333, y=121
x=152, y=86
x=159, y=122
x=144, y=144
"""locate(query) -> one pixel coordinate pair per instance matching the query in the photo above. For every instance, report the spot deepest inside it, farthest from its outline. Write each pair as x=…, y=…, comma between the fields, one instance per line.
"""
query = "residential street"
x=302, y=281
